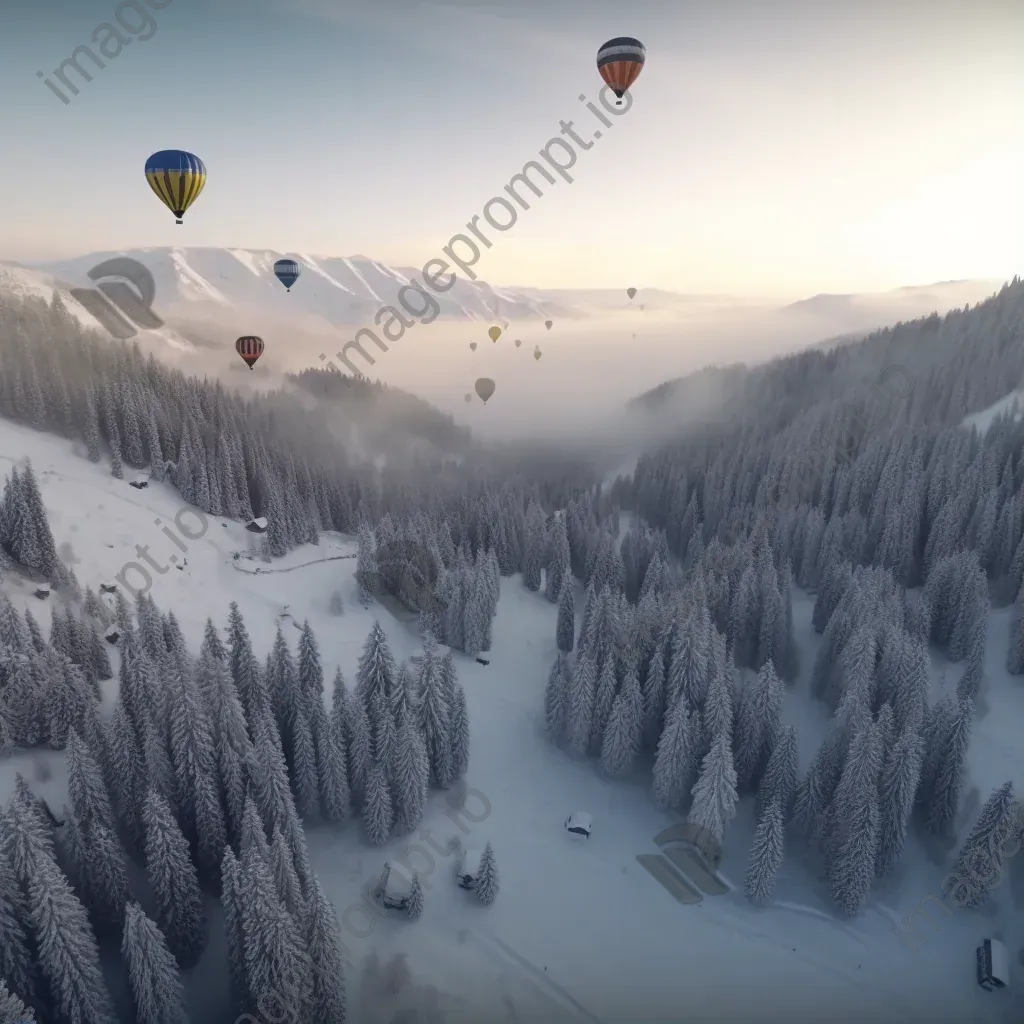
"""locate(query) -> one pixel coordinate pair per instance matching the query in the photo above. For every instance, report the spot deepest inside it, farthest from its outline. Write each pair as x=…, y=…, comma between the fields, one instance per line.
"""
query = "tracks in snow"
x=537, y=979
x=290, y=568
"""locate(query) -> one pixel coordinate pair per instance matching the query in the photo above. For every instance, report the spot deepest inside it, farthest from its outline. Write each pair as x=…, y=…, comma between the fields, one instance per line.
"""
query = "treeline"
x=272, y=455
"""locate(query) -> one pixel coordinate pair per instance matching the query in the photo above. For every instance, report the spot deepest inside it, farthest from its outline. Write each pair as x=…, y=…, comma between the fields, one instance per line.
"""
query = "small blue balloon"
x=287, y=272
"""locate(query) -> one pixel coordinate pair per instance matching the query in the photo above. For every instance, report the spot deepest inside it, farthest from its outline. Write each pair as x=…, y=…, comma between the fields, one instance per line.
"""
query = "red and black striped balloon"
x=250, y=348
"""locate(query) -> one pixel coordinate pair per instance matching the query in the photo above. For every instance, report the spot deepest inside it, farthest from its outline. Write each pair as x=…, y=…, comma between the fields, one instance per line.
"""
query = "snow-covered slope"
x=29, y=282
x=1009, y=405
x=579, y=932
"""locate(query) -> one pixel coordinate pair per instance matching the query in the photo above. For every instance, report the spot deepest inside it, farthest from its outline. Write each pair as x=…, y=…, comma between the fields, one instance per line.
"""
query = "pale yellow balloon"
x=537, y=354
x=472, y=345
x=519, y=342
x=495, y=333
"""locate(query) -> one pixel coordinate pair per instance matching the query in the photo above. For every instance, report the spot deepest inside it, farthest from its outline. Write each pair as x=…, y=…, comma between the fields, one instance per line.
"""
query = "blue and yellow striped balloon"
x=177, y=178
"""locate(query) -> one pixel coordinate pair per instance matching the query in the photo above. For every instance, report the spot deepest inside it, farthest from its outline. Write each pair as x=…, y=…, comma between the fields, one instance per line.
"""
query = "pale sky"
x=773, y=148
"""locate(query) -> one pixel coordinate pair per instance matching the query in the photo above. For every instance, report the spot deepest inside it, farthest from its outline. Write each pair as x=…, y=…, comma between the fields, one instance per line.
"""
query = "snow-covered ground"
x=579, y=931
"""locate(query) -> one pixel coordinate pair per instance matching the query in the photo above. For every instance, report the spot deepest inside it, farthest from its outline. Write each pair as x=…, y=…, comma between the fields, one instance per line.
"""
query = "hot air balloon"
x=631, y=292
x=250, y=348
x=620, y=61
x=537, y=353
x=469, y=398
x=495, y=333
x=519, y=342
x=472, y=345
x=177, y=178
x=485, y=388
x=287, y=272
x=548, y=323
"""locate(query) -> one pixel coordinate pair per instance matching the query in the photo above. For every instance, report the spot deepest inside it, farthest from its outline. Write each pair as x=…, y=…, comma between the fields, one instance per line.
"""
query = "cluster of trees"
x=201, y=777
x=405, y=731
x=45, y=686
x=25, y=533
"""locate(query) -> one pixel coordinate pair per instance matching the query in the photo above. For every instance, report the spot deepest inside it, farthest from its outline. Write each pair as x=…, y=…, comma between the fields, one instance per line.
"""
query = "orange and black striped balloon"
x=250, y=348
x=620, y=61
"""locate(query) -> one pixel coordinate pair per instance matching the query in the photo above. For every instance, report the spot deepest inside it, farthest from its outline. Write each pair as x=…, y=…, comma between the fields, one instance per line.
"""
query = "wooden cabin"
x=258, y=525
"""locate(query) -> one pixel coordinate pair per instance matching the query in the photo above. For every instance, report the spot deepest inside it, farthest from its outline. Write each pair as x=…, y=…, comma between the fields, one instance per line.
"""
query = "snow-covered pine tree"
x=416, y=899
x=486, y=887
x=765, y=855
x=231, y=904
x=13, y=1009
x=675, y=767
x=566, y=627
x=621, y=742
x=378, y=815
x=435, y=711
x=979, y=865
x=175, y=885
x=327, y=1001
x=278, y=969
x=459, y=734
x=901, y=773
x=67, y=955
x=555, y=698
x=779, y=780
x=855, y=823
x=153, y=975
x=579, y=704
x=714, y=793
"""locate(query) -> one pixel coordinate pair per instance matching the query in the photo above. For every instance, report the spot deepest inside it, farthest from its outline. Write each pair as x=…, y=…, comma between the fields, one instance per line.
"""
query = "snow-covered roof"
x=399, y=884
x=471, y=860
x=42, y=588
x=580, y=819
x=261, y=523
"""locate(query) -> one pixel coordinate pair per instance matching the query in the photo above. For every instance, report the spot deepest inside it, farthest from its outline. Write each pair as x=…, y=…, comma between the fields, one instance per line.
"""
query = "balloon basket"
x=179, y=222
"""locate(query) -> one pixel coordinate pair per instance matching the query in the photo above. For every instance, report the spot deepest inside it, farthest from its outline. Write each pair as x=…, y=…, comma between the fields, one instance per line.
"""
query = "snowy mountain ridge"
x=338, y=290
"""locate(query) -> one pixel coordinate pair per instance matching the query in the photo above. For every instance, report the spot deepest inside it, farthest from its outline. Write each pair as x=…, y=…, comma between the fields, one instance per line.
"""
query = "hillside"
x=796, y=629
x=579, y=931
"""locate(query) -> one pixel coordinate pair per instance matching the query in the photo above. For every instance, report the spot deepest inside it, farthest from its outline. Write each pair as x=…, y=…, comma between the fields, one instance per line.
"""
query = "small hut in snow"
x=394, y=889
x=108, y=588
x=42, y=591
x=258, y=525
x=580, y=823
x=112, y=636
x=139, y=482
x=469, y=868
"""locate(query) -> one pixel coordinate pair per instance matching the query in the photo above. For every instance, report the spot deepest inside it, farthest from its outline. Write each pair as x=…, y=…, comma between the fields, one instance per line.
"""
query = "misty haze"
x=519, y=518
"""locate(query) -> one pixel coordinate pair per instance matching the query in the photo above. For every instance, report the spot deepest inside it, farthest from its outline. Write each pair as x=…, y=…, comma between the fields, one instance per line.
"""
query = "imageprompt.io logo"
x=688, y=866
x=119, y=308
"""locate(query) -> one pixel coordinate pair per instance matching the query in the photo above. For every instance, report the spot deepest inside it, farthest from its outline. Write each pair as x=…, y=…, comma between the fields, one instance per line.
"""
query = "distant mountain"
x=337, y=291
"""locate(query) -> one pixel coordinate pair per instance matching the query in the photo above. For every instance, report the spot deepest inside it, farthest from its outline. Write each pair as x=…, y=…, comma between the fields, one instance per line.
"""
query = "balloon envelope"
x=250, y=348
x=537, y=354
x=485, y=388
x=519, y=342
x=177, y=178
x=472, y=345
x=287, y=272
x=631, y=292
x=495, y=333
x=548, y=323
x=469, y=398
x=620, y=61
